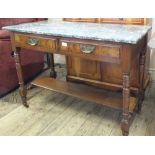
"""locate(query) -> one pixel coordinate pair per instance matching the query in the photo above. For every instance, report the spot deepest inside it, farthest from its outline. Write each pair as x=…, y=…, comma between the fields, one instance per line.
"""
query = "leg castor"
x=24, y=101
x=140, y=102
x=125, y=127
x=139, y=107
x=23, y=93
x=53, y=74
x=124, y=133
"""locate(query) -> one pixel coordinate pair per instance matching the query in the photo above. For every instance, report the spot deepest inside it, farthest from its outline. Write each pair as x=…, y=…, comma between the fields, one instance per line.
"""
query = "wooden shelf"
x=89, y=93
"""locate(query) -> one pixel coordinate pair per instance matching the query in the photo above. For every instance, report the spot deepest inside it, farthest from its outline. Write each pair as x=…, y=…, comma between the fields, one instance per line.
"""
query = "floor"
x=56, y=114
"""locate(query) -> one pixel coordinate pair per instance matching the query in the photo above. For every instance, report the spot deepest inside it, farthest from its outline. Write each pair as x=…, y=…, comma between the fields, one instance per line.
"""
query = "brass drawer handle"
x=87, y=49
x=32, y=41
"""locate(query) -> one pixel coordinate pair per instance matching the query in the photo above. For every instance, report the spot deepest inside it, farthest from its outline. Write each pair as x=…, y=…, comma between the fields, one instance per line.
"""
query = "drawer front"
x=104, y=53
x=35, y=42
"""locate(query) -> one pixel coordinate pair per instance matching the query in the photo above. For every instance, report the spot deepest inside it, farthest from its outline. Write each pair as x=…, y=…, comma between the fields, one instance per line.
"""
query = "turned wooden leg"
x=141, y=88
x=50, y=63
x=126, y=99
x=22, y=89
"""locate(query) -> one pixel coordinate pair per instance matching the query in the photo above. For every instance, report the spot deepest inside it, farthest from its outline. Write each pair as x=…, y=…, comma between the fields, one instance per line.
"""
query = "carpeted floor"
x=52, y=113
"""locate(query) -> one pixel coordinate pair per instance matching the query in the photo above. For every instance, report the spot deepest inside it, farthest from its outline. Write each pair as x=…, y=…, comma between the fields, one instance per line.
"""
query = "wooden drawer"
x=35, y=42
x=128, y=21
x=133, y=21
x=112, y=20
x=80, y=19
x=93, y=51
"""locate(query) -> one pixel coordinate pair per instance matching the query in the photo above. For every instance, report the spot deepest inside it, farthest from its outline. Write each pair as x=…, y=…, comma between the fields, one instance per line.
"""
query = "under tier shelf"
x=85, y=92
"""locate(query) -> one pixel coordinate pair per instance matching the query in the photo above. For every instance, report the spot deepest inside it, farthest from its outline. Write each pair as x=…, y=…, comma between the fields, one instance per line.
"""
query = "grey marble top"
x=104, y=32
x=151, y=42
